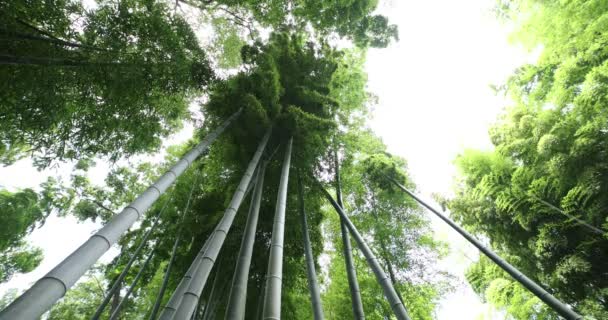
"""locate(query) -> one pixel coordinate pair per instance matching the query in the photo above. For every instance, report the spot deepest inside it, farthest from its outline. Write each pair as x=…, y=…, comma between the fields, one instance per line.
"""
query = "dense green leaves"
x=127, y=86
x=21, y=212
x=352, y=19
x=550, y=148
x=120, y=79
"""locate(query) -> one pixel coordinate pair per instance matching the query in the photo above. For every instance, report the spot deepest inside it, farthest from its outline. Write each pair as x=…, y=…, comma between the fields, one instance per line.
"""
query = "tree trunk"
x=261, y=294
x=204, y=265
x=214, y=294
x=560, y=307
x=46, y=291
x=175, y=300
x=274, y=276
x=7, y=59
x=313, y=286
x=163, y=287
x=115, y=298
x=372, y=261
x=353, y=284
x=116, y=312
x=385, y=255
x=238, y=292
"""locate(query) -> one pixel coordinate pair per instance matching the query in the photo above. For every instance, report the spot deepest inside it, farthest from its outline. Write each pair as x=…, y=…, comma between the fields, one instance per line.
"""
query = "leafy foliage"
x=550, y=148
x=21, y=212
x=125, y=85
x=352, y=19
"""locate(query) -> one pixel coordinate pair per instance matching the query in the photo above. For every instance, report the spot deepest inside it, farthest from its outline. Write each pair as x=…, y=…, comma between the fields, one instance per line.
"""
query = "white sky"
x=434, y=101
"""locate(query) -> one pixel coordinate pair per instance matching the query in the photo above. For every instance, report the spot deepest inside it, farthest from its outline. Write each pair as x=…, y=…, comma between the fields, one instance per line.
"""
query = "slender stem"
x=213, y=295
x=351, y=272
x=385, y=253
x=45, y=292
x=536, y=289
x=118, y=282
x=372, y=261
x=163, y=287
x=132, y=287
x=580, y=221
x=47, y=38
x=274, y=276
x=238, y=291
x=203, y=265
x=313, y=286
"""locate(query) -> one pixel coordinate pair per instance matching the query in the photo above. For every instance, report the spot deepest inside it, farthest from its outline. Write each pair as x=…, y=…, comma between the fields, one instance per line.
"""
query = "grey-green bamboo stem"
x=133, y=285
x=274, y=275
x=214, y=294
x=165, y=282
x=313, y=286
x=351, y=272
x=205, y=263
x=372, y=261
x=118, y=282
x=238, y=291
x=163, y=286
x=175, y=299
x=536, y=289
x=580, y=221
x=385, y=253
x=46, y=291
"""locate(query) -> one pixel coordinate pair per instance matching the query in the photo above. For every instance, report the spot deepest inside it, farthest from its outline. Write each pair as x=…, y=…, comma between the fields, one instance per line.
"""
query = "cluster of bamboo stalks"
x=185, y=298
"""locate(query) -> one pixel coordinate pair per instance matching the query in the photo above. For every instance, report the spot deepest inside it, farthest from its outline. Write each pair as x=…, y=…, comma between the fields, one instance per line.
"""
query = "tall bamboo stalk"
x=274, y=276
x=385, y=253
x=351, y=272
x=44, y=293
x=214, y=294
x=372, y=261
x=175, y=299
x=118, y=282
x=116, y=311
x=238, y=291
x=163, y=287
x=313, y=286
x=536, y=289
x=205, y=263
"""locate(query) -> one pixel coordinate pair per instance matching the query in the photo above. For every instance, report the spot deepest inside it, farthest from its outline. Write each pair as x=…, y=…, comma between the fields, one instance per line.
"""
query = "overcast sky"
x=434, y=101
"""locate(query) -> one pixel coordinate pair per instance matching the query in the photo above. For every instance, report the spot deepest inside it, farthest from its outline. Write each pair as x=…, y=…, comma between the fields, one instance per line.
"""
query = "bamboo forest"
x=303, y=159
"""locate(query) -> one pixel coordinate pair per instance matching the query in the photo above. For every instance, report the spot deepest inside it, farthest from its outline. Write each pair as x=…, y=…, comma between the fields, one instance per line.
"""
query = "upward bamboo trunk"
x=560, y=307
x=372, y=261
x=313, y=286
x=272, y=296
x=117, y=285
x=46, y=291
x=115, y=314
x=214, y=294
x=163, y=287
x=385, y=254
x=176, y=298
x=238, y=292
x=115, y=299
x=353, y=284
x=204, y=264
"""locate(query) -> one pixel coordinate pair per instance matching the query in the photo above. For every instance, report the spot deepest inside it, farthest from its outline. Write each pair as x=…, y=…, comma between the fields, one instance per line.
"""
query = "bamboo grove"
x=284, y=204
